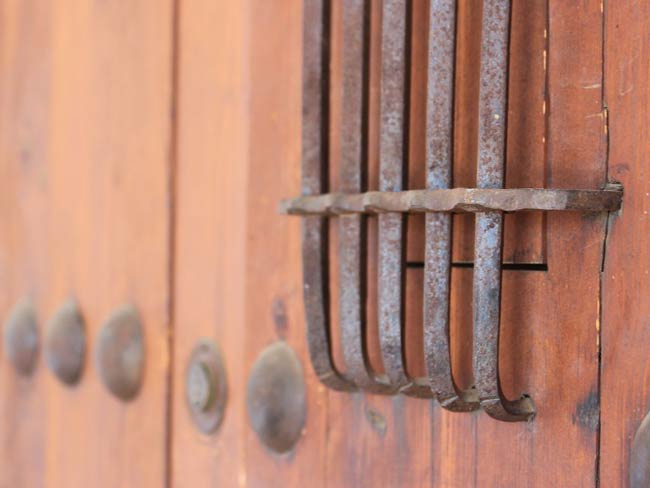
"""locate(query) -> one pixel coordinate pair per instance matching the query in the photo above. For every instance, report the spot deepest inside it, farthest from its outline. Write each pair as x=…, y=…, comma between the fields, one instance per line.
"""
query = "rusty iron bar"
x=439, y=159
x=314, y=180
x=489, y=225
x=352, y=229
x=457, y=200
x=392, y=175
x=490, y=200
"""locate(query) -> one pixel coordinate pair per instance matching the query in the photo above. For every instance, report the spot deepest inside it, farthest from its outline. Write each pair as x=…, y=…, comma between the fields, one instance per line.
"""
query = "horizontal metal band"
x=456, y=200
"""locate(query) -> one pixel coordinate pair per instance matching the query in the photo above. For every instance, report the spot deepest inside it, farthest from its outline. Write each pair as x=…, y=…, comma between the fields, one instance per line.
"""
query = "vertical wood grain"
x=273, y=274
x=25, y=113
x=550, y=341
x=91, y=182
x=210, y=249
x=86, y=132
x=626, y=308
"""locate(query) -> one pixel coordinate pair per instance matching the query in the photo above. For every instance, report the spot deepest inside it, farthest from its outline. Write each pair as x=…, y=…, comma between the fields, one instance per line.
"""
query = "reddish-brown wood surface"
x=273, y=272
x=209, y=248
x=143, y=151
x=625, y=397
x=419, y=445
x=85, y=128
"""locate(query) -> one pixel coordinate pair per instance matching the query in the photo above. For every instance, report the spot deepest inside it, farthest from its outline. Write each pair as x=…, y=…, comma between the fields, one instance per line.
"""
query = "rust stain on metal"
x=21, y=337
x=457, y=200
x=206, y=387
x=352, y=202
x=314, y=178
x=119, y=353
x=439, y=160
x=353, y=228
x=65, y=343
x=276, y=398
x=489, y=225
x=392, y=175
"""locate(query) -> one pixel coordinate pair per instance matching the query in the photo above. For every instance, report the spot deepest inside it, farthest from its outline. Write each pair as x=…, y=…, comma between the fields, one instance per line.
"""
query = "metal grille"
x=392, y=202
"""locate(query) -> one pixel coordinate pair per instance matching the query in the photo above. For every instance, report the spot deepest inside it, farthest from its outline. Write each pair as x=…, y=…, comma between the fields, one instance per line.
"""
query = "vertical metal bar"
x=439, y=158
x=392, y=174
x=489, y=225
x=352, y=228
x=314, y=177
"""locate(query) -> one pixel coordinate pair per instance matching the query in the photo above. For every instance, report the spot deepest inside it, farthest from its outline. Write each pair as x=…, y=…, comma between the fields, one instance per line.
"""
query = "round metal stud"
x=119, y=353
x=206, y=388
x=65, y=343
x=275, y=397
x=640, y=456
x=21, y=337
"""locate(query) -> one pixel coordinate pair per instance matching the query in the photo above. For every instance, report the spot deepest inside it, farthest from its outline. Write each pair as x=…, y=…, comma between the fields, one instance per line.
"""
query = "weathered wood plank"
x=273, y=275
x=210, y=229
x=625, y=390
x=86, y=96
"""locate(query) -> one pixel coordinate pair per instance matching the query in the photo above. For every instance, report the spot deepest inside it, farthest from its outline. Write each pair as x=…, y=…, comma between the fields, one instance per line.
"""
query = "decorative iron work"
x=392, y=202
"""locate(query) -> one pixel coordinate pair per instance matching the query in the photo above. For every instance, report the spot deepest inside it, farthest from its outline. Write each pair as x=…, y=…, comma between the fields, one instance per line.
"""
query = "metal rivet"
x=199, y=387
x=206, y=388
x=119, y=353
x=21, y=337
x=640, y=456
x=275, y=397
x=65, y=343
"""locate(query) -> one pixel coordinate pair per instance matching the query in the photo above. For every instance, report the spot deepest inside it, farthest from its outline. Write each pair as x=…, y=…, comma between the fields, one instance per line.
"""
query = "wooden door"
x=144, y=150
x=87, y=136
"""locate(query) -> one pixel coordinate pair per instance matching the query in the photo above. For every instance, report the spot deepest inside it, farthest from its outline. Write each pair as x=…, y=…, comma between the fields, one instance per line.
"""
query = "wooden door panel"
x=209, y=246
x=144, y=148
x=85, y=116
x=625, y=398
x=550, y=338
x=554, y=356
x=422, y=442
x=273, y=264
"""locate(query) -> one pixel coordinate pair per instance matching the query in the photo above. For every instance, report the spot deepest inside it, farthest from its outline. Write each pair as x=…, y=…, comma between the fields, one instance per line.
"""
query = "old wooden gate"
x=293, y=243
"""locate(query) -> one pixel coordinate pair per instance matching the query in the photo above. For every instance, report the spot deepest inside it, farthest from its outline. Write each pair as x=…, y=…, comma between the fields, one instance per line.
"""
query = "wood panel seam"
x=171, y=238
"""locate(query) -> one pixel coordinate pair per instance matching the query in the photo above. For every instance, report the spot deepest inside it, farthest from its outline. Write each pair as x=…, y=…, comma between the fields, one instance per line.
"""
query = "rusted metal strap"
x=456, y=200
x=392, y=175
x=489, y=225
x=352, y=228
x=439, y=158
x=314, y=166
x=352, y=203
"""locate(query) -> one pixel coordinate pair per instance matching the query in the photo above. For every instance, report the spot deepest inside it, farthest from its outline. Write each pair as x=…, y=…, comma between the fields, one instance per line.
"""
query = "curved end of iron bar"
x=465, y=401
x=323, y=365
x=437, y=282
x=487, y=323
x=456, y=400
x=522, y=410
x=334, y=381
x=316, y=300
x=327, y=373
x=418, y=388
x=352, y=317
x=374, y=384
x=391, y=306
